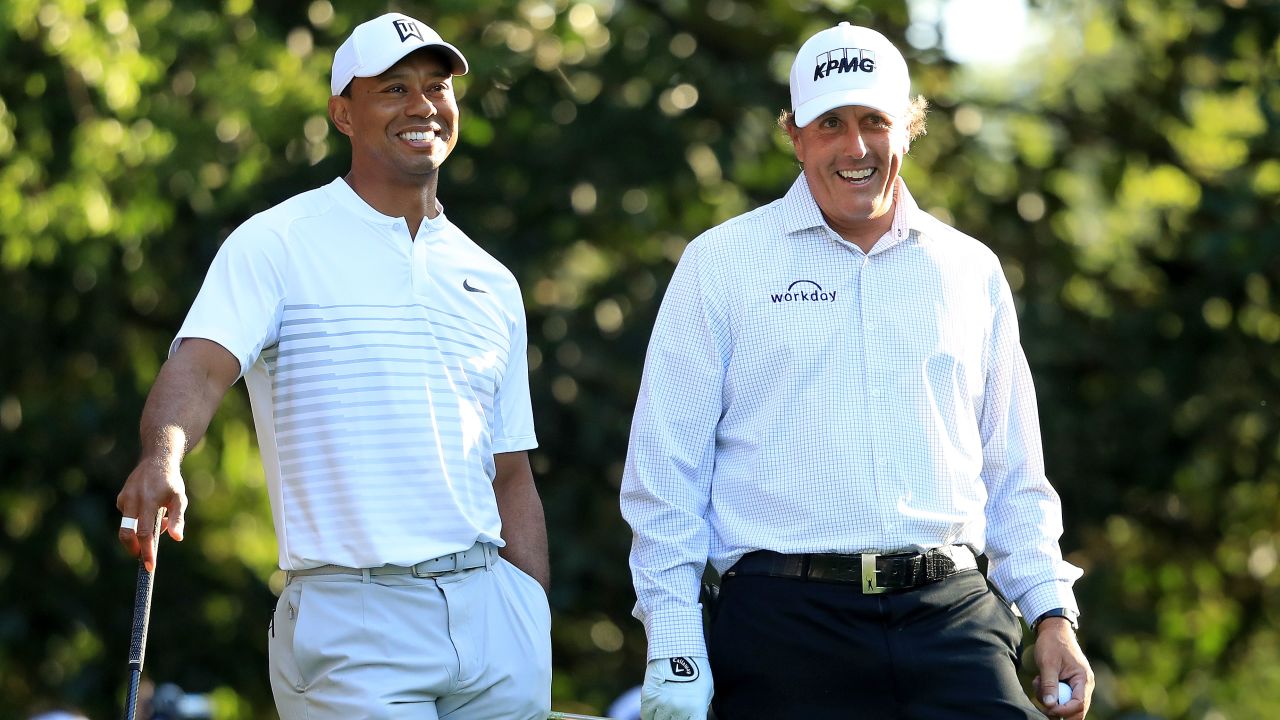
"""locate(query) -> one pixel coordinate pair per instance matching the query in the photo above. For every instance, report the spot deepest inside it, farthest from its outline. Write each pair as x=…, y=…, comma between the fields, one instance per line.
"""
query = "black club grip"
x=141, y=618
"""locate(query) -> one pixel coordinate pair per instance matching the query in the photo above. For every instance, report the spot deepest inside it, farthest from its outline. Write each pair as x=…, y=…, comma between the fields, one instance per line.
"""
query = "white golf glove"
x=676, y=688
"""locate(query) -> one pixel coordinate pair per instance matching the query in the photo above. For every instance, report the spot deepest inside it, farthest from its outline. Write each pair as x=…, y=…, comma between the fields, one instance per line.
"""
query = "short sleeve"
x=240, y=303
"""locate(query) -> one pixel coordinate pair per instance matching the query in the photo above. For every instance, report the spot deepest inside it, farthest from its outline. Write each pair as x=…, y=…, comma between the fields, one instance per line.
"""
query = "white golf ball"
x=1064, y=693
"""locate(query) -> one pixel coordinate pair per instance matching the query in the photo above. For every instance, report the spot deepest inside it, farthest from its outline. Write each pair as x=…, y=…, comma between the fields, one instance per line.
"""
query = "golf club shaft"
x=141, y=620
x=572, y=716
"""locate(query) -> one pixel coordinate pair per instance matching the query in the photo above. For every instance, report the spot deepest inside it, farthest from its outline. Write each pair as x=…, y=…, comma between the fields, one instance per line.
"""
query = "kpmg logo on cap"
x=408, y=29
x=843, y=60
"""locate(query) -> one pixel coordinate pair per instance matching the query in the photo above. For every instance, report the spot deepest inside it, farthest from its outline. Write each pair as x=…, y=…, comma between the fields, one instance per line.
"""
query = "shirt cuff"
x=675, y=633
x=1046, y=596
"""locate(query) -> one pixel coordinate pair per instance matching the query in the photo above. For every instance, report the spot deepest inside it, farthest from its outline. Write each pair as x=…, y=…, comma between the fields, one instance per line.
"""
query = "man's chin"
x=423, y=168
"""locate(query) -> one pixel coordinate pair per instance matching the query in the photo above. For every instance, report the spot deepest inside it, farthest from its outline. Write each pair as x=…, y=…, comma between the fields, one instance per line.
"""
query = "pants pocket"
x=527, y=599
x=282, y=642
x=1012, y=620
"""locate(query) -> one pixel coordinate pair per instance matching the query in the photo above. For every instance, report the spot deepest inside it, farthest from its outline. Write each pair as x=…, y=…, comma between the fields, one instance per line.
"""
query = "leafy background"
x=1127, y=171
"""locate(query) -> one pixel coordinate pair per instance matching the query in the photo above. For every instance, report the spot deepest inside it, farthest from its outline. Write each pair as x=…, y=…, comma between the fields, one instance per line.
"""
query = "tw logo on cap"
x=408, y=29
x=843, y=60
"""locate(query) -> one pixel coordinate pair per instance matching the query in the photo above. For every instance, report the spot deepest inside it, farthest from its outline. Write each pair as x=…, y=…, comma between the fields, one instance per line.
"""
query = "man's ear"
x=340, y=114
x=797, y=144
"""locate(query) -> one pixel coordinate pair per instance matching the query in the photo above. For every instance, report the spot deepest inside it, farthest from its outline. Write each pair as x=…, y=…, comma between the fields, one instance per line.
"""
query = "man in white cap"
x=836, y=412
x=385, y=357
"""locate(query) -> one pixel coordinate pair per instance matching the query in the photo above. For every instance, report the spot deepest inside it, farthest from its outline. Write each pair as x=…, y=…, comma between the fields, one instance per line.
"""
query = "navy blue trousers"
x=790, y=648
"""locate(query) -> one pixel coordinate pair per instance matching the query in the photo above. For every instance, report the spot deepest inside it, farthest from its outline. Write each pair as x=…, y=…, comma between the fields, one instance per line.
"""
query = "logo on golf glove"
x=683, y=669
x=678, y=688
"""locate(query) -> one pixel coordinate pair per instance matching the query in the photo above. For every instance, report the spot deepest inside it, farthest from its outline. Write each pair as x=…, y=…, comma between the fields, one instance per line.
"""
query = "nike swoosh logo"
x=467, y=286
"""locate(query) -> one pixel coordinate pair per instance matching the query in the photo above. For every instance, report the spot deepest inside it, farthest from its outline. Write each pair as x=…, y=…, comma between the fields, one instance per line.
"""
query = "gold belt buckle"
x=869, y=584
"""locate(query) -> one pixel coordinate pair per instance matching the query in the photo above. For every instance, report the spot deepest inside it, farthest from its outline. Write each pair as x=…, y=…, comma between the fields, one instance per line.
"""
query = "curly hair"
x=914, y=116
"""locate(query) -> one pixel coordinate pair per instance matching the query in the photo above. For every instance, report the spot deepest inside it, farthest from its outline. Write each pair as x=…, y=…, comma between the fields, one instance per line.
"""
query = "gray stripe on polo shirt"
x=292, y=351
x=291, y=367
x=424, y=357
x=284, y=427
x=309, y=306
x=353, y=318
x=467, y=325
x=328, y=482
x=343, y=420
x=317, y=467
x=283, y=392
x=342, y=405
x=294, y=340
x=282, y=396
x=470, y=326
x=327, y=434
x=323, y=377
x=301, y=451
x=483, y=395
x=296, y=337
x=352, y=427
x=373, y=486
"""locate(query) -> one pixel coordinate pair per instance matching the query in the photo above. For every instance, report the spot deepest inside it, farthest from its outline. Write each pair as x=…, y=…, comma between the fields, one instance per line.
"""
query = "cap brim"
x=458, y=63
x=460, y=66
x=893, y=106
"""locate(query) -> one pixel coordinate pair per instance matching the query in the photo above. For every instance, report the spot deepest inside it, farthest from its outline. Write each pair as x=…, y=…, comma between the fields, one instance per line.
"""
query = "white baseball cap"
x=848, y=65
x=379, y=43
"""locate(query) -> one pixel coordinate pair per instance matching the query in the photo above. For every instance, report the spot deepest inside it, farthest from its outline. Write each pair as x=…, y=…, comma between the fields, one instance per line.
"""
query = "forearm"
x=185, y=395
x=524, y=527
x=177, y=412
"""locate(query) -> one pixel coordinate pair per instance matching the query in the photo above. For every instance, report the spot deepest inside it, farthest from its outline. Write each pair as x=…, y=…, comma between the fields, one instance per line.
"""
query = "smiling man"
x=385, y=358
x=836, y=412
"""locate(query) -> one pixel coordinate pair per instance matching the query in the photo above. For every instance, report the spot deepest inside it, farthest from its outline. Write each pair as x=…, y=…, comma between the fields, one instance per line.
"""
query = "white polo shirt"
x=384, y=373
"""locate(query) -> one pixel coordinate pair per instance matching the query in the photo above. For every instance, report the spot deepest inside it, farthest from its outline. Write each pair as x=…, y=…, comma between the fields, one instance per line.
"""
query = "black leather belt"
x=873, y=573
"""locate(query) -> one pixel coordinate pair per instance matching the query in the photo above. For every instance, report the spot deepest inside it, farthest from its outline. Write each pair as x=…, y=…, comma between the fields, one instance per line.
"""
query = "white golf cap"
x=848, y=65
x=379, y=43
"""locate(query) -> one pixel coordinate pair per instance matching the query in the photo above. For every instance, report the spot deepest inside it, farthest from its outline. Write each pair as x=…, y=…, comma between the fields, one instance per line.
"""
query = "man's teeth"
x=856, y=174
x=418, y=136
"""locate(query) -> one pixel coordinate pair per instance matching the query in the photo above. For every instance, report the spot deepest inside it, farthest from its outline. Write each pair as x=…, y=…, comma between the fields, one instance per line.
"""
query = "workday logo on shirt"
x=804, y=291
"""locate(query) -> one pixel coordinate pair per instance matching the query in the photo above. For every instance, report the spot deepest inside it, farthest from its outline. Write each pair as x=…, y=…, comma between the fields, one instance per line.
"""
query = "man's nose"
x=855, y=145
x=422, y=105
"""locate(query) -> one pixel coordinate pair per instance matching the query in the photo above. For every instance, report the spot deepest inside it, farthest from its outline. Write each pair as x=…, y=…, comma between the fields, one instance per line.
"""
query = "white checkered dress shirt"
x=800, y=395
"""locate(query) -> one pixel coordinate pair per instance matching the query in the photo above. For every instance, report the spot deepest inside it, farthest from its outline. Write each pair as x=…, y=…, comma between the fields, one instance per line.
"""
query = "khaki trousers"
x=470, y=645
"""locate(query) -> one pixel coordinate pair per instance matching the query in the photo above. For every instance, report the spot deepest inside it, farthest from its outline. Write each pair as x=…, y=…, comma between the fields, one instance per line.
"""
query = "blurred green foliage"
x=1127, y=171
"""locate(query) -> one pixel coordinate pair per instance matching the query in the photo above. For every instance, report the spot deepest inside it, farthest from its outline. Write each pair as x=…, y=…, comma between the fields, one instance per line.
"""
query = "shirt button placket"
x=873, y=385
x=421, y=278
